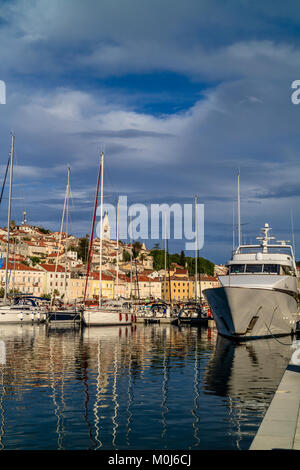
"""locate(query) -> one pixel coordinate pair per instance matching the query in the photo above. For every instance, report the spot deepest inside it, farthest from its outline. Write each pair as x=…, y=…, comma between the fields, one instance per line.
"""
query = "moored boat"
x=259, y=295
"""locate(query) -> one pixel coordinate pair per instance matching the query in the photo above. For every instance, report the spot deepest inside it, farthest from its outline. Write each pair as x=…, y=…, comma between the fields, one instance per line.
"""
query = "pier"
x=280, y=428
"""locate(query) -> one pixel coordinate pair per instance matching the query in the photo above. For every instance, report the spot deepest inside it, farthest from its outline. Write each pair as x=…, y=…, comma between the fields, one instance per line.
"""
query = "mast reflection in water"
x=135, y=387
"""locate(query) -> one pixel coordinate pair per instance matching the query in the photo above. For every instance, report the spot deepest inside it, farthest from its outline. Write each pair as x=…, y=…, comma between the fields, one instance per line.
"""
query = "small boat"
x=107, y=316
x=24, y=309
x=193, y=313
x=157, y=313
x=65, y=314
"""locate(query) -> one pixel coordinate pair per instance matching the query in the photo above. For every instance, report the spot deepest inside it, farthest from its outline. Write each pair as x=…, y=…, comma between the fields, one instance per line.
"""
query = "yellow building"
x=107, y=286
x=181, y=288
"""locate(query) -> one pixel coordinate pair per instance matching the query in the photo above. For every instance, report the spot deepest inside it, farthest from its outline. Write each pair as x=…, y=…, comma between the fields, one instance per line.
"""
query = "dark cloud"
x=241, y=116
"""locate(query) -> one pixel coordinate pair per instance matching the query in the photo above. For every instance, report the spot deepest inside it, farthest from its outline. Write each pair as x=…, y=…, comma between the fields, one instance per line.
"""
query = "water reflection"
x=138, y=387
x=247, y=374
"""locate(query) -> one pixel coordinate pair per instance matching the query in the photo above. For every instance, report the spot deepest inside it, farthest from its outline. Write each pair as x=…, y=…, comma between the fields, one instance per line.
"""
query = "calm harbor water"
x=140, y=387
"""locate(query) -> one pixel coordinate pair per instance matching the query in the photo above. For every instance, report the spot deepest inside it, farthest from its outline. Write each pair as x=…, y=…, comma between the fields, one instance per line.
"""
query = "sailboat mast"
x=92, y=233
x=239, y=210
x=67, y=228
x=117, y=289
x=196, y=252
x=9, y=213
x=130, y=237
x=101, y=225
x=165, y=283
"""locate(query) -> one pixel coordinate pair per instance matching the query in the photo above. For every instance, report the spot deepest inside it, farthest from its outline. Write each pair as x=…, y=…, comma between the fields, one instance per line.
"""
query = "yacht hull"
x=8, y=316
x=98, y=317
x=250, y=313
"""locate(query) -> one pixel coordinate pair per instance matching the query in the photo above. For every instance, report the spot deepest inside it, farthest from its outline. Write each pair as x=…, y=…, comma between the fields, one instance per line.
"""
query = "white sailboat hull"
x=252, y=312
x=8, y=315
x=103, y=317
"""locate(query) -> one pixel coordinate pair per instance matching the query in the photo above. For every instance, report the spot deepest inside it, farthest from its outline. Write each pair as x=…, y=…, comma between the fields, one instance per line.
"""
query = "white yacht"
x=25, y=309
x=115, y=313
x=259, y=295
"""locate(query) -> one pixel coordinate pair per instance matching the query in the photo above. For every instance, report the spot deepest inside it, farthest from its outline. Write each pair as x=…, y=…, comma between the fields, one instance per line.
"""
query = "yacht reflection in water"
x=132, y=387
x=247, y=374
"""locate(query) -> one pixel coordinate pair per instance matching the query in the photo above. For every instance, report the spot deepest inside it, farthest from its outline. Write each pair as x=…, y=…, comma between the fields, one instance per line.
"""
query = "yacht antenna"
x=239, y=209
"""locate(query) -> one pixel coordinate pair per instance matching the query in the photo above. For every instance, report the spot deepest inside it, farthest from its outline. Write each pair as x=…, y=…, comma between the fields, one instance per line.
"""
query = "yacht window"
x=271, y=268
x=237, y=268
x=253, y=268
x=287, y=270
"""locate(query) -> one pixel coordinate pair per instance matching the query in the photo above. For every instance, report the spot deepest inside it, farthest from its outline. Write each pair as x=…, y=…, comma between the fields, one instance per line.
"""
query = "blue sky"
x=178, y=94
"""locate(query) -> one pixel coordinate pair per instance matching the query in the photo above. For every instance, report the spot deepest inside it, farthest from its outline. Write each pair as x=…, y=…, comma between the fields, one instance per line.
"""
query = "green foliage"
x=203, y=265
x=126, y=256
x=2, y=292
x=83, y=248
x=182, y=258
x=35, y=260
x=136, y=248
x=46, y=296
x=44, y=230
x=56, y=293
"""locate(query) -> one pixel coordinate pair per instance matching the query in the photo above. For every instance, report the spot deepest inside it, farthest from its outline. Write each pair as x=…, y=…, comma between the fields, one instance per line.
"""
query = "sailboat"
x=62, y=314
x=193, y=312
x=24, y=309
x=101, y=315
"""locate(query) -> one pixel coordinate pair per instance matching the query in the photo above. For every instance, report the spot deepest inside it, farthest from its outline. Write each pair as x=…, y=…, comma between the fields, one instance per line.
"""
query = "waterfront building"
x=177, y=288
x=23, y=279
x=145, y=288
x=205, y=282
x=56, y=279
x=76, y=286
x=107, y=285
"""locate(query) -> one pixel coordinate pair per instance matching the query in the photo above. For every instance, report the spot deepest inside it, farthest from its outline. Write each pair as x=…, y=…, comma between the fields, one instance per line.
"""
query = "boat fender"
x=126, y=316
x=120, y=316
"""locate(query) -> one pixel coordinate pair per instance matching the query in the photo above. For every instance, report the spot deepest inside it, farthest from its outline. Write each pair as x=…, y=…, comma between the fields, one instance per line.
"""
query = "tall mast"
x=130, y=238
x=59, y=243
x=239, y=209
x=196, y=252
x=67, y=228
x=9, y=213
x=117, y=289
x=101, y=225
x=92, y=232
x=165, y=283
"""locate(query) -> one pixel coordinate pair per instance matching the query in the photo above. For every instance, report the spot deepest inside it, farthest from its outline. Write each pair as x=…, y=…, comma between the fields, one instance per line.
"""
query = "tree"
x=46, y=296
x=35, y=260
x=83, y=248
x=55, y=293
x=126, y=256
x=43, y=230
x=136, y=248
x=182, y=258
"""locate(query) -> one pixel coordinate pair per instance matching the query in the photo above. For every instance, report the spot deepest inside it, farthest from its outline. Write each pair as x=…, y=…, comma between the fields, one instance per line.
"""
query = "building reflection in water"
x=131, y=387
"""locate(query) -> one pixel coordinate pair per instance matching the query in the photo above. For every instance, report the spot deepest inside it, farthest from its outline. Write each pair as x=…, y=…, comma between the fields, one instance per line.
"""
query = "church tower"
x=106, y=227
